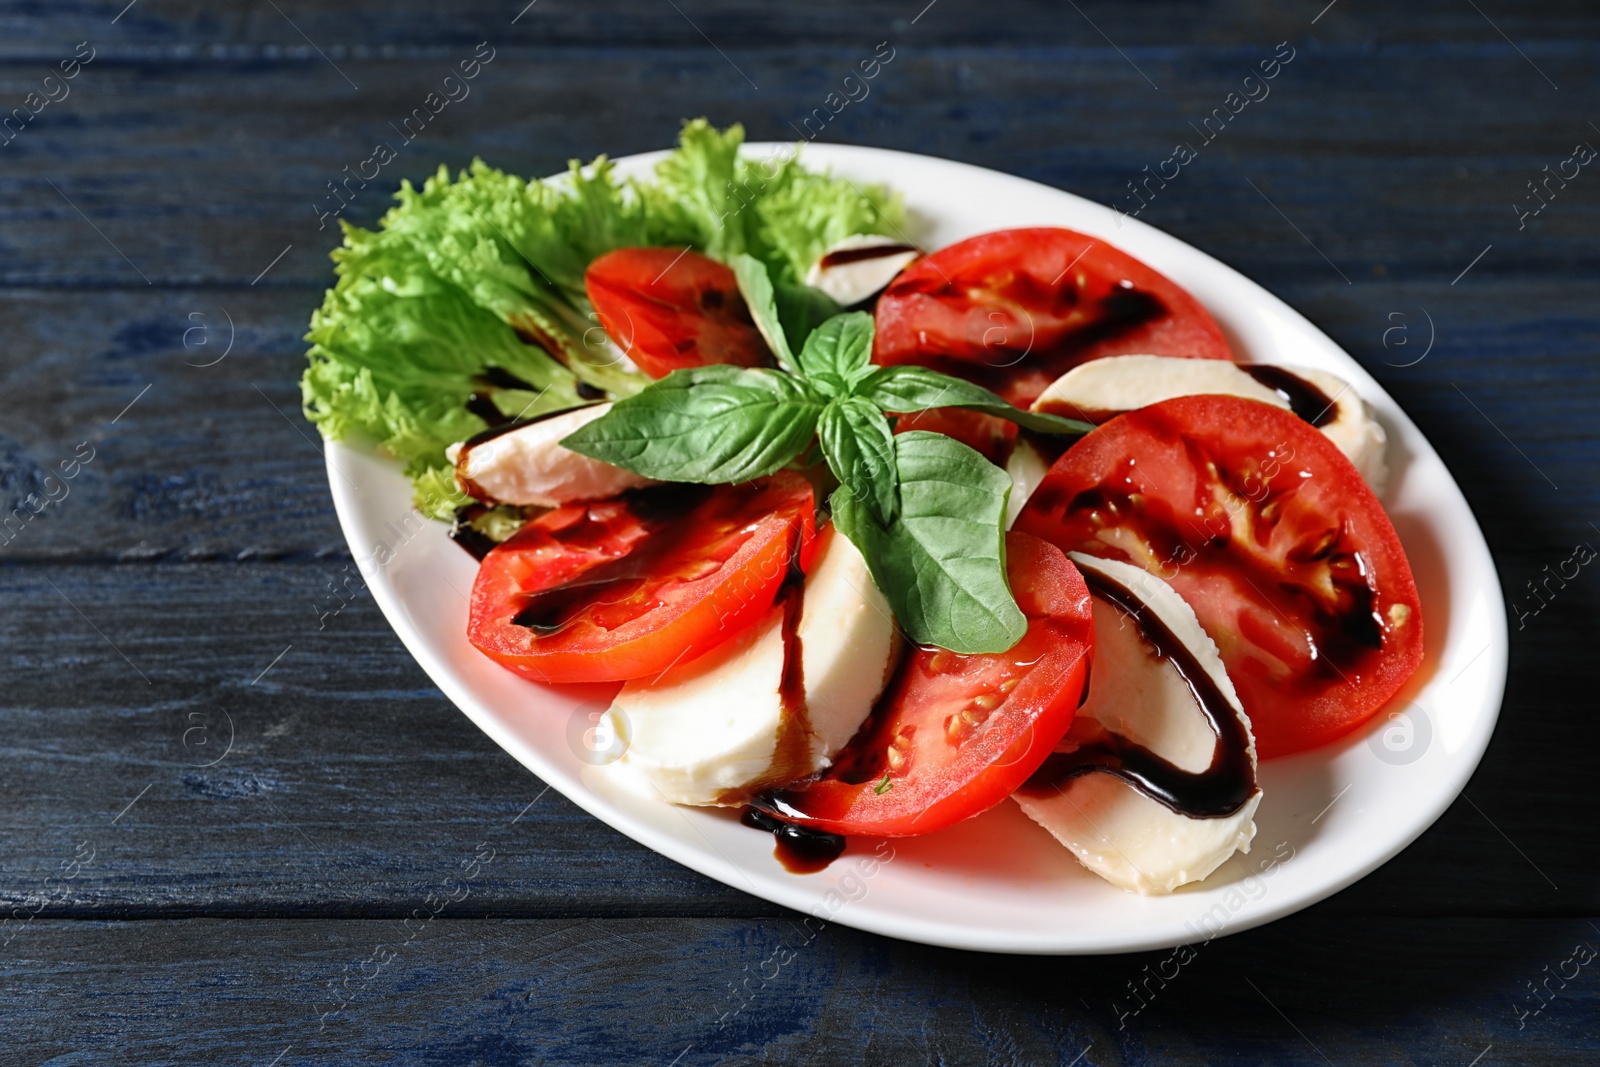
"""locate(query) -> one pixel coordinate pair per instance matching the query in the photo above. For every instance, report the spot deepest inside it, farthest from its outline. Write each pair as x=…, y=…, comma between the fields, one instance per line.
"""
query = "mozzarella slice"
x=716, y=730
x=859, y=266
x=528, y=465
x=1354, y=428
x=1027, y=468
x=849, y=645
x=1115, y=830
x=1103, y=388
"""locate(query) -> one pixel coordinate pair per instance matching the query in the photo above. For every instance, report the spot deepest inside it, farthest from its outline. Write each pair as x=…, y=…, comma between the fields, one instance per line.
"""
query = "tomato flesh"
x=956, y=734
x=627, y=587
x=1268, y=532
x=989, y=435
x=1015, y=309
x=668, y=309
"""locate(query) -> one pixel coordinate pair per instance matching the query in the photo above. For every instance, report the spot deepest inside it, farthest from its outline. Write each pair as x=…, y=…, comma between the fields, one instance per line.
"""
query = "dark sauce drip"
x=1050, y=446
x=657, y=505
x=800, y=849
x=1305, y=399
x=549, y=611
x=1029, y=365
x=1119, y=311
x=531, y=333
x=1343, y=630
x=842, y=256
x=793, y=756
x=1219, y=790
x=462, y=532
x=500, y=378
x=1360, y=624
x=483, y=406
x=495, y=430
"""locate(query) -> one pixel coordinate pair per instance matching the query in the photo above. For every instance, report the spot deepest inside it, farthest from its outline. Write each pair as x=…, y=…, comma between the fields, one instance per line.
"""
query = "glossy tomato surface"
x=989, y=435
x=626, y=588
x=955, y=735
x=1015, y=309
x=1274, y=539
x=669, y=308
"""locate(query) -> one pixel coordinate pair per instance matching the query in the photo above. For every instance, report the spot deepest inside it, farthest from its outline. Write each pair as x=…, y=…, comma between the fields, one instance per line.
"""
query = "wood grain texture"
x=713, y=991
x=223, y=911
x=354, y=30
x=1459, y=132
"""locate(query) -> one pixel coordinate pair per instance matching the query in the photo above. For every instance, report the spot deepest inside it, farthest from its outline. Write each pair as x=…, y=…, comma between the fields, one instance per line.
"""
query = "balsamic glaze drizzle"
x=800, y=849
x=483, y=406
x=840, y=257
x=1219, y=790
x=1305, y=399
x=462, y=532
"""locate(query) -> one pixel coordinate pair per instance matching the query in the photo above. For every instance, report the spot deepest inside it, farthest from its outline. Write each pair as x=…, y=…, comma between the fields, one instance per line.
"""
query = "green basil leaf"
x=941, y=563
x=838, y=354
x=755, y=285
x=860, y=449
x=714, y=425
x=902, y=389
x=801, y=309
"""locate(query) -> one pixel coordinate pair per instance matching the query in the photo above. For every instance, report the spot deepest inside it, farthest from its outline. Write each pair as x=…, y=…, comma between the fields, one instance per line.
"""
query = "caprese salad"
x=872, y=539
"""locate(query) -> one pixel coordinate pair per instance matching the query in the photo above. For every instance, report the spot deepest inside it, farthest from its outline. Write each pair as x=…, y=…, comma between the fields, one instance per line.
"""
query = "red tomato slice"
x=955, y=735
x=1015, y=309
x=1270, y=534
x=626, y=588
x=990, y=435
x=669, y=308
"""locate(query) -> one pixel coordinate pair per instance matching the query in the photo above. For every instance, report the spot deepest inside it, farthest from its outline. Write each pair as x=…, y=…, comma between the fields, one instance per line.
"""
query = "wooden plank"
x=365, y=29
x=1314, y=989
x=314, y=739
x=1405, y=161
x=353, y=787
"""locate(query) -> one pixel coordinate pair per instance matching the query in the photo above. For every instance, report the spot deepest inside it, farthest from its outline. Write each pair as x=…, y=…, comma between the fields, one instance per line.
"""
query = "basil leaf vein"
x=905, y=388
x=941, y=563
x=713, y=425
x=838, y=354
x=860, y=451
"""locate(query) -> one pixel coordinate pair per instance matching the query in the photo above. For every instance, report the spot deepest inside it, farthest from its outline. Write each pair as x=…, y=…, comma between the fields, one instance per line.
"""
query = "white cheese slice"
x=715, y=730
x=852, y=282
x=528, y=465
x=1027, y=468
x=1115, y=830
x=1096, y=390
x=1102, y=388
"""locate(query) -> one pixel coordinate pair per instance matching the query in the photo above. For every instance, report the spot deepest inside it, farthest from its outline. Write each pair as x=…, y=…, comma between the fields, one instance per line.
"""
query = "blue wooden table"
x=221, y=800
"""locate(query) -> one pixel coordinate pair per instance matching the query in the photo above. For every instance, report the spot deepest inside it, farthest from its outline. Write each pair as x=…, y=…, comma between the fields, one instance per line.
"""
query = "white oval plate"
x=998, y=882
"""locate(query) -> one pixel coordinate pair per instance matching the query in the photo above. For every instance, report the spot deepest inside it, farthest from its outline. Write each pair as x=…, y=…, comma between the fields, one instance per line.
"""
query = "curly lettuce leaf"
x=399, y=369
x=768, y=206
x=486, y=270
x=803, y=213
